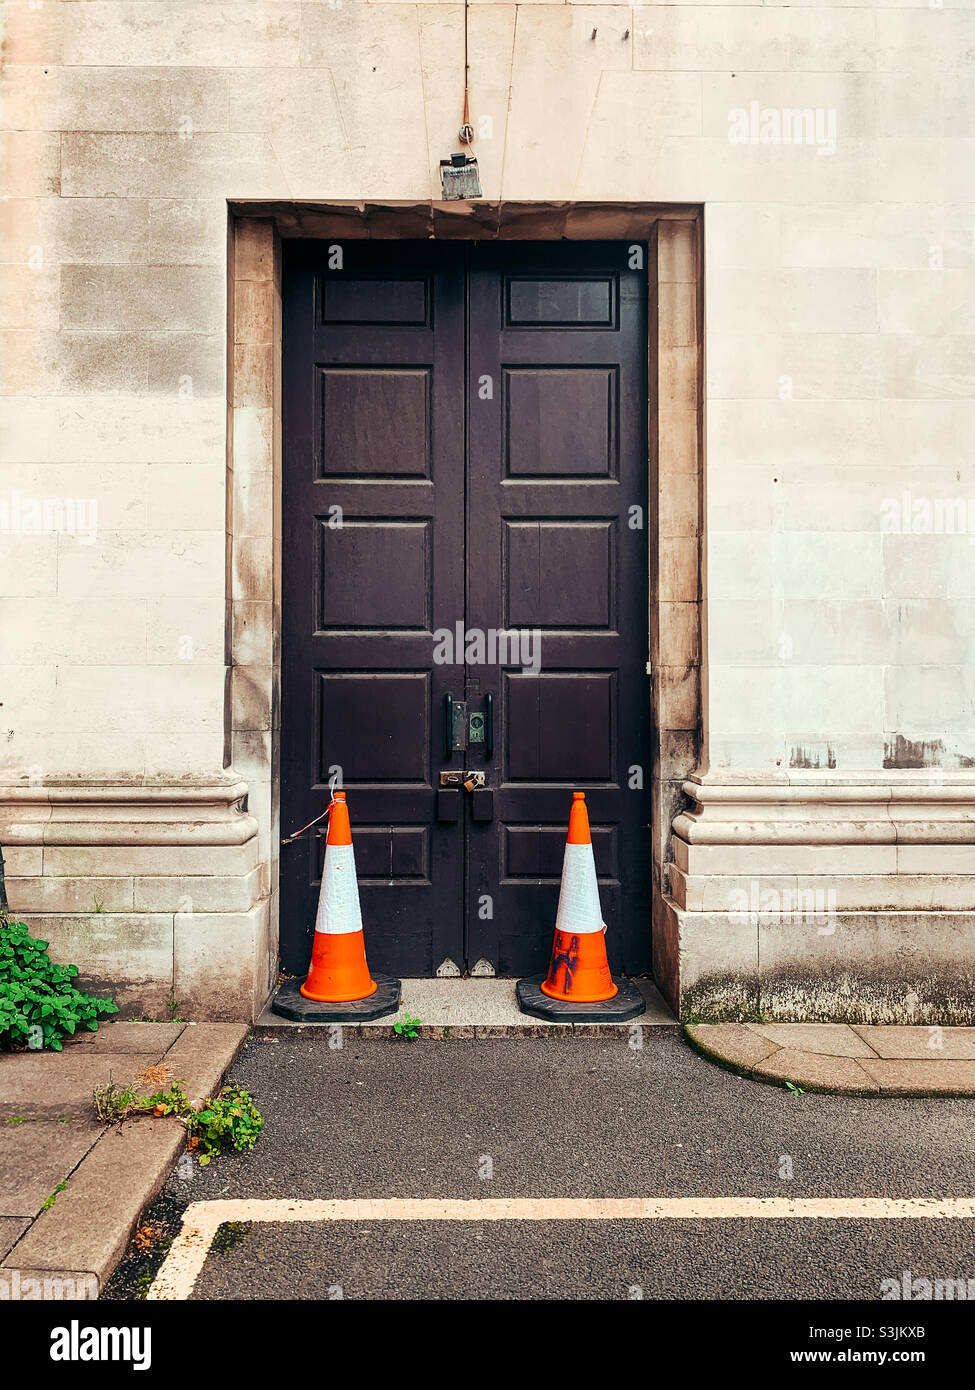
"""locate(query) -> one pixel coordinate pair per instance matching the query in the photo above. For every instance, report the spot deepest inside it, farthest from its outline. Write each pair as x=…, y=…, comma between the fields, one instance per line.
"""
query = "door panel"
x=373, y=517
x=417, y=502
x=552, y=476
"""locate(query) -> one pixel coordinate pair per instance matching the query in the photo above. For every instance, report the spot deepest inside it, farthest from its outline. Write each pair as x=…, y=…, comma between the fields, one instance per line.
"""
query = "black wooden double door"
x=465, y=559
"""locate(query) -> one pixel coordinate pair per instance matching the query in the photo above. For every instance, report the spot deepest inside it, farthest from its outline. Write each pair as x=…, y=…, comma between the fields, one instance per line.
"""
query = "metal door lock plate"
x=456, y=725
x=470, y=781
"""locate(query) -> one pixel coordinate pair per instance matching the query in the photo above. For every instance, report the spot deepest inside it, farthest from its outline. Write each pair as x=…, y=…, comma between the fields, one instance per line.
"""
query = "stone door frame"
x=673, y=235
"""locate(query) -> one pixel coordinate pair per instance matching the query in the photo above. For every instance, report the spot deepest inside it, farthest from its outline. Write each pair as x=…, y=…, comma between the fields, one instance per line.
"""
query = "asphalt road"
x=571, y=1117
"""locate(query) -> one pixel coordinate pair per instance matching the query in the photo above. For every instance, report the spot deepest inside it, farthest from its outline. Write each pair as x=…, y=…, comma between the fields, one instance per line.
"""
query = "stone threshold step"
x=466, y=1008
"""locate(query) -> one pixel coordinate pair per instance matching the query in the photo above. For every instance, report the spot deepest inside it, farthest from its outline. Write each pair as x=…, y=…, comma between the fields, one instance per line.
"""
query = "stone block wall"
x=831, y=150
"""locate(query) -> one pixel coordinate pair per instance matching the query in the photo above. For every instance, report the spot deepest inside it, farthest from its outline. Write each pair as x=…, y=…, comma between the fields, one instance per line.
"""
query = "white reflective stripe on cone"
x=579, y=899
x=338, y=904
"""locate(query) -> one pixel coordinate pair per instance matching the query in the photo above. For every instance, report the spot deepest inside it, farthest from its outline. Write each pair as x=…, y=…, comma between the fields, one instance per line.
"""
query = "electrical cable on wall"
x=459, y=177
x=466, y=131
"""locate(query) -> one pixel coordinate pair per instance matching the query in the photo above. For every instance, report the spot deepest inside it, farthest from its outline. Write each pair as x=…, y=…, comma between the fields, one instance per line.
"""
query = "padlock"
x=470, y=784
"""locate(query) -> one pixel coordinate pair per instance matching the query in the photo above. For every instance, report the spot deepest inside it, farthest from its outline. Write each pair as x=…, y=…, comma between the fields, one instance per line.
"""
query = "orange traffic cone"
x=339, y=972
x=579, y=971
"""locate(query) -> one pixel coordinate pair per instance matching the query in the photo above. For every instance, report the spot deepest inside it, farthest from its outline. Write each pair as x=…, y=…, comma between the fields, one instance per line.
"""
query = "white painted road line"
x=181, y=1268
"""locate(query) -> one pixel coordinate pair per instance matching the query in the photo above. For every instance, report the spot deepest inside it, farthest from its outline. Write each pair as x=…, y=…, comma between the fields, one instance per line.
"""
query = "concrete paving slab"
x=923, y=1044
x=111, y=1173
x=35, y=1157
x=814, y=1072
x=830, y=1039
x=11, y=1229
x=477, y=1004
x=45, y=1085
x=912, y=1078
x=733, y=1043
x=844, y=1059
x=201, y=1055
x=89, y=1225
x=130, y=1037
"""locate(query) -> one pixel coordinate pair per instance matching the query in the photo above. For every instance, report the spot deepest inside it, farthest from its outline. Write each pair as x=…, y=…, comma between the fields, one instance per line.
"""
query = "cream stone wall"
x=839, y=316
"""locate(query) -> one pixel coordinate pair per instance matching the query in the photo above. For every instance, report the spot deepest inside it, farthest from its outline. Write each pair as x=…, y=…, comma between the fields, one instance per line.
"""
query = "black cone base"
x=289, y=1002
x=626, y=1003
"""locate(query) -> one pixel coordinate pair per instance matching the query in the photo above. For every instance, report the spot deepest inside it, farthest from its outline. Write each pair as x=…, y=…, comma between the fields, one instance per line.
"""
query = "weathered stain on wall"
x=813, y=757
x=943, y=998
x=905, y=752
